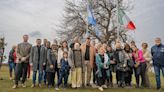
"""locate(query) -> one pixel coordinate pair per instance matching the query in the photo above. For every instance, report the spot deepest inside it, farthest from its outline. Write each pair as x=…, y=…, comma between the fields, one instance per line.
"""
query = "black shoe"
x=158, y=88
x=137, y=86
x=88, y=85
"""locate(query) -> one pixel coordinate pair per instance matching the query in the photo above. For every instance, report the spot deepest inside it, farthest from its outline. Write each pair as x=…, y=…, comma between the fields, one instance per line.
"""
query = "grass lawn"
x=6, y=86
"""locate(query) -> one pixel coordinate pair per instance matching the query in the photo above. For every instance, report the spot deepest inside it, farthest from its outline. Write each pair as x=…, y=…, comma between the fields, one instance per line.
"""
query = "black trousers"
x=57, y=72
x=101, y=80
x=120, y=76
x=51, y=78
x=94, y=75
x=21, y=71
x=128, y=78
x=140, y=72
x=110, y=79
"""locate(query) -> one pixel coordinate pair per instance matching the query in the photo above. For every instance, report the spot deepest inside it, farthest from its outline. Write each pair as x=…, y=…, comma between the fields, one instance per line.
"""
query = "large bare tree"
x=74, y=21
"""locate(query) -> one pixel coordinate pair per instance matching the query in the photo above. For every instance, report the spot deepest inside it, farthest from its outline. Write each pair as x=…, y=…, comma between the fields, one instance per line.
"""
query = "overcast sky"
x=39, y=17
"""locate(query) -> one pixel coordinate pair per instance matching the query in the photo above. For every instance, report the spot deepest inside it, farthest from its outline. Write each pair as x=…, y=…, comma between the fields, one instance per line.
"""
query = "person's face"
x=93, y=43
x=132, y=43
x=25, y=38
x=64, y=44
x=118, y=46
x=105, y=46
x=157, y=41
x=88, y=41
x=109, y=48
x=102, y=51
x=77, y=46
x=38, y=42
x=127, y=48
x=15, y=48
x=45, y=41
x=65, y=55
x=144, y=46
x=54, y=46
x=48, y=45
x=134, y=48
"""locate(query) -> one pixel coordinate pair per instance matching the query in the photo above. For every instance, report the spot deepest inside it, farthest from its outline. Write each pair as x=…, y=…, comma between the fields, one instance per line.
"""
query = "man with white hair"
x=157, y=52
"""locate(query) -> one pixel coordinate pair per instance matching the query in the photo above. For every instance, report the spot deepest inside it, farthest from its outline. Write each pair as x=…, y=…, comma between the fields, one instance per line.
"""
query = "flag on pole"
x=125, y=20
x=90, y=18
x=97, y=31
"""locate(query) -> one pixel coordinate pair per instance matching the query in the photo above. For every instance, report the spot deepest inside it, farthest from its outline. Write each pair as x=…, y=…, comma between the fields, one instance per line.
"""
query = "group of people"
x=87, y=64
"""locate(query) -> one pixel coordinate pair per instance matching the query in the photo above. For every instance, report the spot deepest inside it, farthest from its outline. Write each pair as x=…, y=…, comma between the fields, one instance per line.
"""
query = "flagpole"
x=117, y=20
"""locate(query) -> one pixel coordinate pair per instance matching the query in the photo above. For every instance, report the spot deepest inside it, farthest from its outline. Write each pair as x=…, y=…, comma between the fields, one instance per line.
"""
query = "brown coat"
x=92, y=54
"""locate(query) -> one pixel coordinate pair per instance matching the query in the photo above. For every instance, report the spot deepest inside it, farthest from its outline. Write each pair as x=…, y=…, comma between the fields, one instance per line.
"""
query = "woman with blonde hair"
x=147, y=56
x=140, y=66
x=11, y=61
x=102, y=63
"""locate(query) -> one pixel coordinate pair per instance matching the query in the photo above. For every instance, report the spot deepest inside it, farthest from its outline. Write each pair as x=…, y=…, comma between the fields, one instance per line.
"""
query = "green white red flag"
x=125, y=20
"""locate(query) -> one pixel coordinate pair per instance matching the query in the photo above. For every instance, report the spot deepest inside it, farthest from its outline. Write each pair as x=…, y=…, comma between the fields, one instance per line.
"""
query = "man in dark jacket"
x=37, y=60
x=157, y=52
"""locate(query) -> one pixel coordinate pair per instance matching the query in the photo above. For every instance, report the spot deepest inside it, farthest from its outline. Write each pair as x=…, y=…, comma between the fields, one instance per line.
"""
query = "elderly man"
x=37, y=61
x=23, y=54
x=88, y=53
x=158, y=60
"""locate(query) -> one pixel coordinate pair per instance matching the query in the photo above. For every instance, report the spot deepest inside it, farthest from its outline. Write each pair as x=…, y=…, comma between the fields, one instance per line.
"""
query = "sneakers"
x=33, y=85
x=104, y=86
x=23, y=85
x=88, y=85
x=159, y=89
x=11, y=78
x=14, y=87
x=101, y=89
x=40, y=85
x=57, y=89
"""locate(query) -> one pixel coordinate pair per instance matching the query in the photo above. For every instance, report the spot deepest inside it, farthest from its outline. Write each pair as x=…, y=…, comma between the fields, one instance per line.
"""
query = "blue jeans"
x=157, y=74
x=61, y=76
x=44, y=76
x=11, y=68
x=39, y=77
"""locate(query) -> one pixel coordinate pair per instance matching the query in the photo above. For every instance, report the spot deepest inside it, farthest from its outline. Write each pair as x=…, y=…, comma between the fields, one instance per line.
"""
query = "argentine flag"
x=91, y=19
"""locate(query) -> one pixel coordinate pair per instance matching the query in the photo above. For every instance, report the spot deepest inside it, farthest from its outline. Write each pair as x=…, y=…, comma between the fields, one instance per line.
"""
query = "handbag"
x=122, y=67
x=136, y=64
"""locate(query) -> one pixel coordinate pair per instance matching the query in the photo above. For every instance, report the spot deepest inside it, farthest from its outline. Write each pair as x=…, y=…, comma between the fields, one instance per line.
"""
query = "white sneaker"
x=104, y=86
x=32, y=86
x=57, y=89
x=14, y=87
x=23, y=85
x=40, y=85
x=101, y=89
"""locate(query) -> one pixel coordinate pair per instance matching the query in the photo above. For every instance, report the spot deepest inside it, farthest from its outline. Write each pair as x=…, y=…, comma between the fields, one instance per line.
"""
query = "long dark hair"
x=63, y=47
x=127, y=46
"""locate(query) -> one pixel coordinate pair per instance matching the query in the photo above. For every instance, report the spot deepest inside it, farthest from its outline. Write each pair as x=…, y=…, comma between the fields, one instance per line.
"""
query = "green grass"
x=6, y=86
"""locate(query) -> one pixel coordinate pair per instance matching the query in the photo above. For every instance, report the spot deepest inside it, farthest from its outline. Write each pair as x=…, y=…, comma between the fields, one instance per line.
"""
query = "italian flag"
x=125, y=20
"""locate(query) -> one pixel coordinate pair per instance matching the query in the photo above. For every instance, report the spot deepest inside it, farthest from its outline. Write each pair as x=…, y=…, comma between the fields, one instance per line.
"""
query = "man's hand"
x=44, y=64
x=31, y=64
x=23, y=59
x=51, y=66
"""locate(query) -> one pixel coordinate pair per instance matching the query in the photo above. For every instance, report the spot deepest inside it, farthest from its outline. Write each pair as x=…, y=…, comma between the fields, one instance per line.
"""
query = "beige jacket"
x=147, y=56
x=92, y=54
